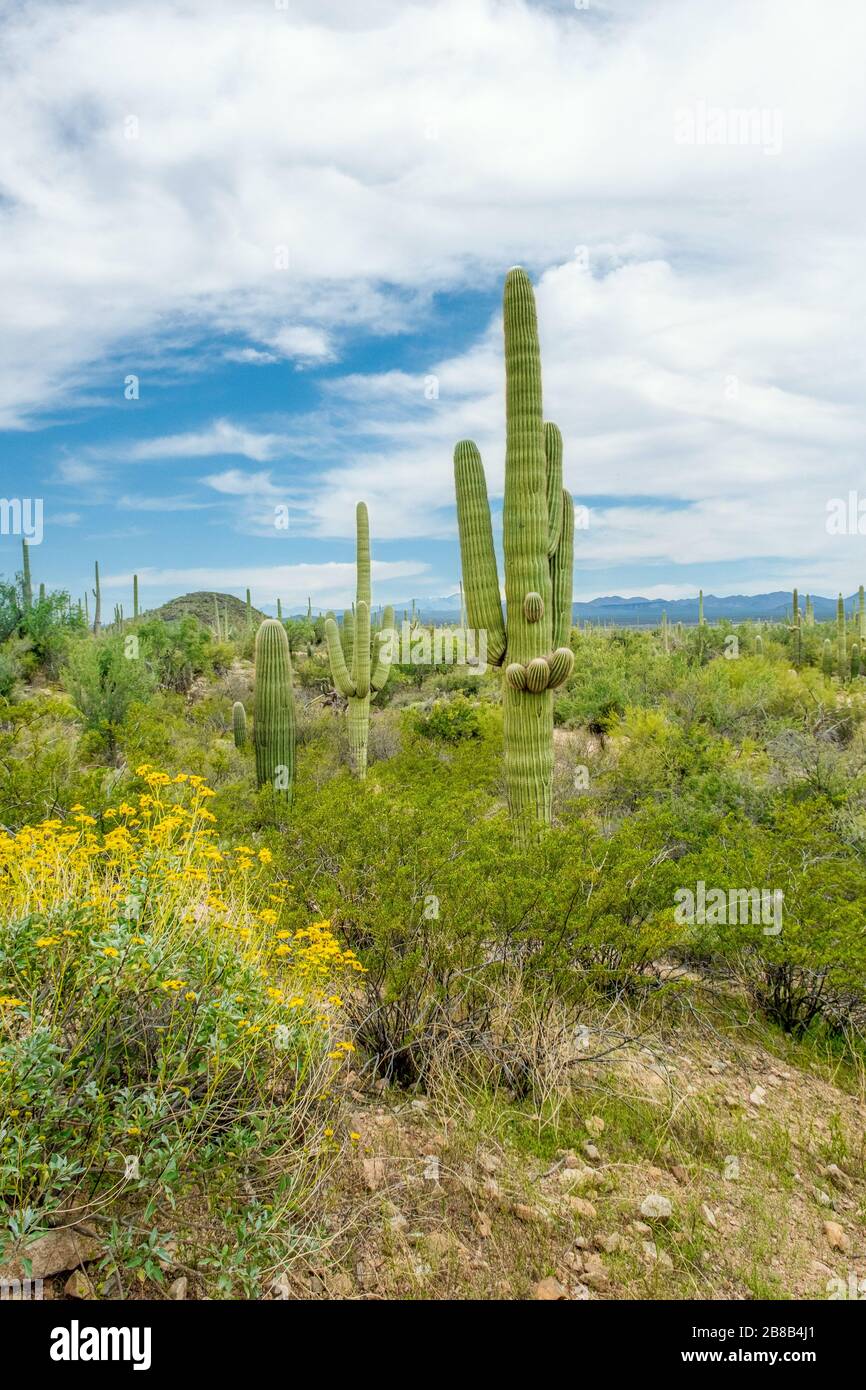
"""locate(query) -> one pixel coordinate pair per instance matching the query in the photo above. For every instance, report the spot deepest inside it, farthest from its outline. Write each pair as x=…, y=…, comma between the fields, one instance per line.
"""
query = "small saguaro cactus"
x=357, y=676
x=135, y=608
x=827, y=658
x=274, y=712
x=239, y=724
x=796, y=631
x=810, y=611
x=26, y=581
x=861, y=614
x=855, y=660
x=97, y=596
x=759, y=645
x=700, y=607
x=279, y=610
x=841, y=638
x=538, y=535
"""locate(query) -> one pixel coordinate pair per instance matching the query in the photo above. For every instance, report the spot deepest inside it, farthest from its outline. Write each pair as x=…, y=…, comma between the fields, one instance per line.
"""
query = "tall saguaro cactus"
x=274, y=711
x=356, y=675
x=97, y=597
x=26, y=580
x=841, y=639
x=538, y=536
x=135, y=608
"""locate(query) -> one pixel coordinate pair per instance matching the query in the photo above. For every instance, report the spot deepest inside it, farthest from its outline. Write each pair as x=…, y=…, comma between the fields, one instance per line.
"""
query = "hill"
x=201, y=606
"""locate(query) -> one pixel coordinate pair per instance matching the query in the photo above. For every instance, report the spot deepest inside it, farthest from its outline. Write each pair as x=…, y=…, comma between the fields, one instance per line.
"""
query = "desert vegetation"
x=332, y=973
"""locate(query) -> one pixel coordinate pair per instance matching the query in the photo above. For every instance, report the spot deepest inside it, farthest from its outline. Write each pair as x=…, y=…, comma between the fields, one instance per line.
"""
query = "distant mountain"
x=647, y=612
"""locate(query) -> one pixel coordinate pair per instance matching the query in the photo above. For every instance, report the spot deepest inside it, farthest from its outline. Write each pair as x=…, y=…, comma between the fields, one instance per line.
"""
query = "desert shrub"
x=103, y=683
x=10, y=670
x=175, y=652
x=450, y=720
x=154, y=1007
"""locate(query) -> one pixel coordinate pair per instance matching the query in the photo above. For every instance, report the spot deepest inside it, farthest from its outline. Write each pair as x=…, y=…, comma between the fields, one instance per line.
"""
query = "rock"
x=595, y=1125
x=837, y=1238
x=581, y=1207
x=53, y=1254
x=679, y=1172
x=577, y=1177
x=375, y=1172
x=837, y=1177
x=281, y=1288
x=594, y=1272
x=580, y=1293
x=640, y=1228
x=397, y=1223
x=526, y=1213
x=178, y=1288
x=591, y=1152
x=611, y=1243
x=709, y=1216
x=758, y=1096
x=77, y=1286
x=655, y=1207
x=571, y=1160
x=550, y=1291
x=581, y=1243
x=823, y=1198
x=483, y=1225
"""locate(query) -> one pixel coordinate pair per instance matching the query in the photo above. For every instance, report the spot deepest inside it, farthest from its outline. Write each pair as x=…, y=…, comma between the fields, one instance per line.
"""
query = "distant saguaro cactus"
x=97, y=596
x=135, y=609
x=759, y=645
x=827, y=658
x=700, y=608
x=274, y=716
x=356, y=675
x=841, y=639
x=538, y=534
x=239, y=724
x=855, y=660
x=26, y=580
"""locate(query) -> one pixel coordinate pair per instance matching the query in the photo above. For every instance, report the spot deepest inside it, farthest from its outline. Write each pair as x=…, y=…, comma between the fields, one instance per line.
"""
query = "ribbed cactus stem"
x=97, y=596
x=360, y=665
x=274, y=721
x=239, y=724
x=538, y=541
x=827, y=658
x=135, y=609
x=855, y=660
x=279, y=610
x=841, y=638
x=26, y=580
x=41, y=593
x=700, y=608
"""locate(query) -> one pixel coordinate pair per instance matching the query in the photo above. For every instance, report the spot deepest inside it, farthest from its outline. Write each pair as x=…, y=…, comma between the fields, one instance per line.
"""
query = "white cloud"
x=331, y=584
x=220, y=438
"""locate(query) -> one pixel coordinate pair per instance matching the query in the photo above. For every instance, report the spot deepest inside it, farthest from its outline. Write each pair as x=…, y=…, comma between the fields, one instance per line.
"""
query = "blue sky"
x=292, y=223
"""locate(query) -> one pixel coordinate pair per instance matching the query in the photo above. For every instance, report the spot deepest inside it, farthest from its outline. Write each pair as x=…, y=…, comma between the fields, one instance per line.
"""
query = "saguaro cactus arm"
x=384, y=652
x=562, y=571
x=480, y=575
x=339, y=670
x=553, y=456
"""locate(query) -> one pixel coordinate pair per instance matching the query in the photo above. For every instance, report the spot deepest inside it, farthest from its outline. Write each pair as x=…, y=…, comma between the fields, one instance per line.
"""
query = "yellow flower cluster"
x=164, y=839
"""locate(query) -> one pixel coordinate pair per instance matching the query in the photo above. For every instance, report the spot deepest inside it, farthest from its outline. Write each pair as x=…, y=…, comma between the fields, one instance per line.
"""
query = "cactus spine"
x=274, y=723
x=239, y=724
x=97, y=612
x=26, y=580
x=841, y=638
x=355, y=674
x=538, y=522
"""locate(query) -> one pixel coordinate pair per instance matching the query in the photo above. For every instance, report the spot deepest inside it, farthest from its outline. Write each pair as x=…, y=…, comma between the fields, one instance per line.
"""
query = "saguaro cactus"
x=274, y=722
x=538, y=534
x=827, y=658
x=700, y=607
x=239, y=724
x=356, y=675
x=26, y=580
x=861, y=613
x=97, y=612
x=135, y=608
x=759, y=645
x=841, y=638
